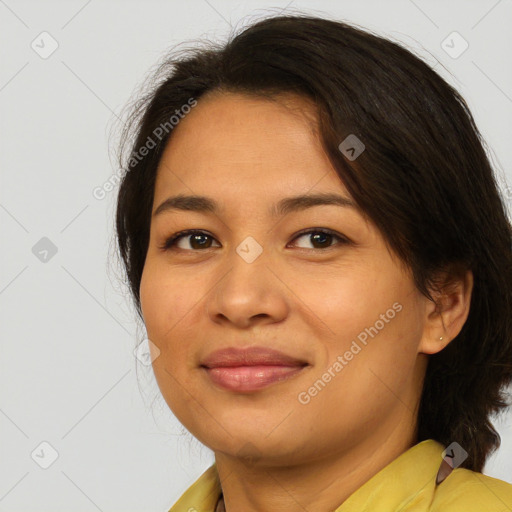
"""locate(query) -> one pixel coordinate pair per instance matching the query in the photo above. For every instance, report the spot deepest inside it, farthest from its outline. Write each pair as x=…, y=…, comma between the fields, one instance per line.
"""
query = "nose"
x=248, y=292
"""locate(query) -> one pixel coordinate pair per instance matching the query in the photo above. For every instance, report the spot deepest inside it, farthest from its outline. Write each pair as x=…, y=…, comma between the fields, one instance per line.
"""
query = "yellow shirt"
x=406, y=484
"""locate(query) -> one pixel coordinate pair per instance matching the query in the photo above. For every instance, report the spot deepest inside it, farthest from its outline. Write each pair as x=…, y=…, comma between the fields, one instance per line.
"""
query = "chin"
x=249, y=445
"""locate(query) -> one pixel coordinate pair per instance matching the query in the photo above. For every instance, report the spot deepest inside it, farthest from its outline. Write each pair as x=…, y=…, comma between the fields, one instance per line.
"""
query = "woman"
x=315, y=241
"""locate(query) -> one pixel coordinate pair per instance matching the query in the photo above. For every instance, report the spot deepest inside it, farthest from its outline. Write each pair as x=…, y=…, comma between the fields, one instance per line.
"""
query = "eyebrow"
x=205, y=204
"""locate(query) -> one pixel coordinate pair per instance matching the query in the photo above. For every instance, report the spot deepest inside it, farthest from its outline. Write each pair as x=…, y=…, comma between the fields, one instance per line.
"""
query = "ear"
x=445, y=317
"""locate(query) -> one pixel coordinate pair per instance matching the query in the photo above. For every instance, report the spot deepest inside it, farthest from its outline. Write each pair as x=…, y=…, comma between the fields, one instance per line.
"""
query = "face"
x=313, y=281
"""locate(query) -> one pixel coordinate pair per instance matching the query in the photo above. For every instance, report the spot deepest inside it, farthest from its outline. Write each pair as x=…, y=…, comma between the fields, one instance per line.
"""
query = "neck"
x=320, y=484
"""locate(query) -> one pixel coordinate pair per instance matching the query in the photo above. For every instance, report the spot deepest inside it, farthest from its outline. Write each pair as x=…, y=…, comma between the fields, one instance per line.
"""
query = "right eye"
x=197, y=239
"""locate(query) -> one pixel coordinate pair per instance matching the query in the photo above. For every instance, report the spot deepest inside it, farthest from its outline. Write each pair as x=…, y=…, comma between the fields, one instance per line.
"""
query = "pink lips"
x=250, y=369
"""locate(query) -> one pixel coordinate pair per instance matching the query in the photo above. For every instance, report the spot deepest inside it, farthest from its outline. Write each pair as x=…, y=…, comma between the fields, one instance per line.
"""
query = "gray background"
x=68, y=370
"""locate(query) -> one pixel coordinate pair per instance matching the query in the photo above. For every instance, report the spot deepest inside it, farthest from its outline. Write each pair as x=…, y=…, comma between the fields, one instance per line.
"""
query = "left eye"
x=321, y=238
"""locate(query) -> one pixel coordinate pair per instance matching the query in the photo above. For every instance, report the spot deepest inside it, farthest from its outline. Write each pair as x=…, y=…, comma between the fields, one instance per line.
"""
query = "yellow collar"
x=407, y=484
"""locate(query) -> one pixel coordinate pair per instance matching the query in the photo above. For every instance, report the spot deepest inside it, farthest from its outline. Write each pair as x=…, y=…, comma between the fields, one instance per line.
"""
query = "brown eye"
x=321, y=238
x=197, y=240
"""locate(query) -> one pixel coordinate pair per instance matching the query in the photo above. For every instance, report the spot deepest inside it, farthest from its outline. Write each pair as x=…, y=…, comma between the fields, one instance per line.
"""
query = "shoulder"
x=469, y=491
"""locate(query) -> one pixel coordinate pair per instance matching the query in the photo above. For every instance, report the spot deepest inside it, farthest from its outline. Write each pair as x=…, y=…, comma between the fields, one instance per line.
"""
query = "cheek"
x=173, y=306
x=169, y=300
x=167, y=305
x=374, y=326
x=344, y=300
x=373, y=383
x=382, y=354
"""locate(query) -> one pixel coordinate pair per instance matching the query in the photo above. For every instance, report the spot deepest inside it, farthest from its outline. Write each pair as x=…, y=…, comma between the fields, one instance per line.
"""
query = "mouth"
x=251, y=369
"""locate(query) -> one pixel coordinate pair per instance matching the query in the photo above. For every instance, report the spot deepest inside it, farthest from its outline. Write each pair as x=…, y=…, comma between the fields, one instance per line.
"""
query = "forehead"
x=241, y=143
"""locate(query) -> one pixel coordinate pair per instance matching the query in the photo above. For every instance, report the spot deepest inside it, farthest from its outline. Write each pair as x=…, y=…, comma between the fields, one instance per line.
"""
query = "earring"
x=441, y=338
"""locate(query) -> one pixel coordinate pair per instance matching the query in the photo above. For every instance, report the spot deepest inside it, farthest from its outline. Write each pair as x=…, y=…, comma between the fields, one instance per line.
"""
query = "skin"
x=272, y=451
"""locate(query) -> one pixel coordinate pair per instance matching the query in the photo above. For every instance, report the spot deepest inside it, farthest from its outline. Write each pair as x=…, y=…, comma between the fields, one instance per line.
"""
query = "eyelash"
x=171, y=241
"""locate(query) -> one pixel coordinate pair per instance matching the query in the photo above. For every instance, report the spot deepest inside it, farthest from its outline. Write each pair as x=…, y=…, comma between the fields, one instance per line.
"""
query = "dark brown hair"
x=424, y=179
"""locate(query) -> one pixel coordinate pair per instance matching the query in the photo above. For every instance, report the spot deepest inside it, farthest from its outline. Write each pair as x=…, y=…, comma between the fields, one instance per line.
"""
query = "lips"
x=252, y=356
x=250, y=369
